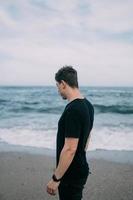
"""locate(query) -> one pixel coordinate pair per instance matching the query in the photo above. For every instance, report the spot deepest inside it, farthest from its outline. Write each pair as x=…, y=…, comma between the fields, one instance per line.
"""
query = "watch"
x=55, y=179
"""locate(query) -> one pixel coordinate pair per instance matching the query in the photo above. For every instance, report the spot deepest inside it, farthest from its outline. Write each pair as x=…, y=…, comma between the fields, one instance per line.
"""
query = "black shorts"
x=72, y=190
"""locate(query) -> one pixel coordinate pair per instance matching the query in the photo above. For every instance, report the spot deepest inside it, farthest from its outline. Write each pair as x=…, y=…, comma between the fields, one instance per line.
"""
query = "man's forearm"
x=65, y=160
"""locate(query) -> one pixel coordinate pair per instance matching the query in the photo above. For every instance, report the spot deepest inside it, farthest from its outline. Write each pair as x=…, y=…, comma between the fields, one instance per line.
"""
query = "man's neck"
x=74, y=94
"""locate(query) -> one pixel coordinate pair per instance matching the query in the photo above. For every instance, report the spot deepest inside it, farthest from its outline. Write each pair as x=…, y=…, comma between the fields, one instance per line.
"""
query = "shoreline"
x=118, y=156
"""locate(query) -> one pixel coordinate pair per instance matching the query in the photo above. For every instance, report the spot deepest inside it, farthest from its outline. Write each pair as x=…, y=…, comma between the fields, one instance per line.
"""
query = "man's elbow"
x=70, y=150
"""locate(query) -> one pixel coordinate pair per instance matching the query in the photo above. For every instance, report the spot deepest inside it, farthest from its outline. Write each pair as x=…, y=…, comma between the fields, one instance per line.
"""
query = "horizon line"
x=55, y=85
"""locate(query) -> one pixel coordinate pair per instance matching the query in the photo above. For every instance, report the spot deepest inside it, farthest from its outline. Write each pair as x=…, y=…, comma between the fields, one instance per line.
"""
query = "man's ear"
x=63, y=83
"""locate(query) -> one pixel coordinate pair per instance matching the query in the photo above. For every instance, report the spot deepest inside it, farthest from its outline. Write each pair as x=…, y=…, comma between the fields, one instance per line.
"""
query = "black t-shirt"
x=76, y=122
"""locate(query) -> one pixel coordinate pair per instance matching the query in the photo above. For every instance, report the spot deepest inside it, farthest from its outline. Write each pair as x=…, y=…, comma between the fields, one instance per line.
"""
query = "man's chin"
x=64, y=98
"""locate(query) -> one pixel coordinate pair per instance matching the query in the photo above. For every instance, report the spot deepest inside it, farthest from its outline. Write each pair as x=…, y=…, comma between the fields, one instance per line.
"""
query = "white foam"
x=110, y=139
x=27, y=137
x=103, y=138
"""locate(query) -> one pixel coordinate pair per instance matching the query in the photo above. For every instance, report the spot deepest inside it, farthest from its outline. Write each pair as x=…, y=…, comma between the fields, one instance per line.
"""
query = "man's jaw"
x=63, y=97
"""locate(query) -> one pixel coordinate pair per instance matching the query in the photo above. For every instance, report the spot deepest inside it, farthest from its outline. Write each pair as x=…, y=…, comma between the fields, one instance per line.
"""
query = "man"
x=74, y=129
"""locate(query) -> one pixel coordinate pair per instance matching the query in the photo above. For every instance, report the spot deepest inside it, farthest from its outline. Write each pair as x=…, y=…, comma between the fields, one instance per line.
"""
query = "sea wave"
x=28, y=109
x=3, y=100
x=101, y=138
x=120, y=109
x=36, y=107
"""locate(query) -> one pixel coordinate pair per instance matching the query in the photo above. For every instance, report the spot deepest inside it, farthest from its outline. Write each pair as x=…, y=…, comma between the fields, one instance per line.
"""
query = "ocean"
x=29, y=116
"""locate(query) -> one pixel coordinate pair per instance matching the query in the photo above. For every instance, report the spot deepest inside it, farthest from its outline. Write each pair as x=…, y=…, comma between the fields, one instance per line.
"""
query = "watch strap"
x=55, y=179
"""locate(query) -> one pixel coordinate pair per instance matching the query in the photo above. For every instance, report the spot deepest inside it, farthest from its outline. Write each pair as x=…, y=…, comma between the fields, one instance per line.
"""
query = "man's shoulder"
x=72, y=106
x=78, y=105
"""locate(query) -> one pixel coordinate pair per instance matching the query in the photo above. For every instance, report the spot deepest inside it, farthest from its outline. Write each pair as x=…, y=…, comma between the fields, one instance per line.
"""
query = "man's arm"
x=66, y=156
x=87, y=143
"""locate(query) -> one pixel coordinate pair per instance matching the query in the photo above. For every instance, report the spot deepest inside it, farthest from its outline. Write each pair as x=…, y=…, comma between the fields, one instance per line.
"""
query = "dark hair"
x=67, y=74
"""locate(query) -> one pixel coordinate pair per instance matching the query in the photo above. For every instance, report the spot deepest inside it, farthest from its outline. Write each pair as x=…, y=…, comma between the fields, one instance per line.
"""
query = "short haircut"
x=67, y=74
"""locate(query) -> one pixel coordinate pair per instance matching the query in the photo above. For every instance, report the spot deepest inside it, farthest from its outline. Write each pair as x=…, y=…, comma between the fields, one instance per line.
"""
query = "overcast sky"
x=37, y=37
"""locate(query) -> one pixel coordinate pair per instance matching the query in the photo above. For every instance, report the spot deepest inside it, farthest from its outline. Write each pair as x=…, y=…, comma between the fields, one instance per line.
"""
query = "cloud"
x=5, y=20
x=38, y=37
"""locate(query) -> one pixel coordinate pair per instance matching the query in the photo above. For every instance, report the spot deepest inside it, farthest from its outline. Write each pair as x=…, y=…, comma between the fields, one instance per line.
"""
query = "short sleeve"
x=72, y=124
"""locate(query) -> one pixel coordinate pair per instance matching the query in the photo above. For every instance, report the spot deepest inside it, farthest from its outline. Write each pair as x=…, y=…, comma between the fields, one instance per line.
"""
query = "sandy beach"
x=24, y=176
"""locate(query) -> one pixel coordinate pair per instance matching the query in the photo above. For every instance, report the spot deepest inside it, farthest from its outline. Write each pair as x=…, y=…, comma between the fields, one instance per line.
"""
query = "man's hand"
x=52, y=186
